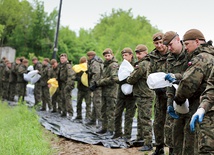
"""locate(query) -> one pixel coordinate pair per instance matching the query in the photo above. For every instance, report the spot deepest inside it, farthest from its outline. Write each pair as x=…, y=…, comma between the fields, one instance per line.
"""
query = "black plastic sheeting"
x=70, y=128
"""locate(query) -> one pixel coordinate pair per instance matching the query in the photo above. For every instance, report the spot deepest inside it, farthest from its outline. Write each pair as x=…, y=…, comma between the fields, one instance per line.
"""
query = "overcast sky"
x=167, y=15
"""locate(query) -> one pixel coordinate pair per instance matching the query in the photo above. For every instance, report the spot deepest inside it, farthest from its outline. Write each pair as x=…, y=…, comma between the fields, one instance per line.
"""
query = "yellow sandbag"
x=53, y=86
x=84, y=79
x=80, y=67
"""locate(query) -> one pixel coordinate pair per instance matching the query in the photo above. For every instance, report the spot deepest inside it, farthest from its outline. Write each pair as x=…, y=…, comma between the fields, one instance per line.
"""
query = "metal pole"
x=57, y=32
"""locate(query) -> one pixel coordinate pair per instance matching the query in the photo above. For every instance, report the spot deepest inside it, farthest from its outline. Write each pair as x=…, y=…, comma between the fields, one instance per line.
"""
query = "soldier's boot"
x=146, y=148
x=159, y=150
x=170, y=151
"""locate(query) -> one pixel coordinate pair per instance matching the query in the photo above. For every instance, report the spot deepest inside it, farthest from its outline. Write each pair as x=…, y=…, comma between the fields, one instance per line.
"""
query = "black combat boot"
x=159, y=150
x=170, y=151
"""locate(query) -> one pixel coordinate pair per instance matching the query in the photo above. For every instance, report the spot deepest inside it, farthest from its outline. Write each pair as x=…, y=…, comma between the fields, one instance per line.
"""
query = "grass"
x=21, y=132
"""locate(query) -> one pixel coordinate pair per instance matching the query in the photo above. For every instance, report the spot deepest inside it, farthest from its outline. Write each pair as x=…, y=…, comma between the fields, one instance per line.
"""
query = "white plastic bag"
x=35, y=78
x=124, y=71
x=156, y=80
x=32, y=76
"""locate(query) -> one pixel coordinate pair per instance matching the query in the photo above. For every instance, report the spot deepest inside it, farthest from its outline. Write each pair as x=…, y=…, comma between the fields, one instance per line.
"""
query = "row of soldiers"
x=188, y=62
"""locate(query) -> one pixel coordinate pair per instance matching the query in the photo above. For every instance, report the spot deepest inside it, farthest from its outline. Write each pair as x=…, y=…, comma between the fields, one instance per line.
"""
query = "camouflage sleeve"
x=96, y=72
x=22, y=70
x=70, y=76
x=207, y=98
x=192, y=79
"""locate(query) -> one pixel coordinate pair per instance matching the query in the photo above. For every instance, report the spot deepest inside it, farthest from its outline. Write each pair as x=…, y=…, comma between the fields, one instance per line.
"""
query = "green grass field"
x=21, y=132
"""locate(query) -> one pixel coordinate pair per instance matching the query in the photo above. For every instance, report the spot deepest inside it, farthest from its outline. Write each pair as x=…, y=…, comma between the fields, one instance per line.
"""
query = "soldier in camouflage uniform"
x=194, y=79
x=124, y=102
x=45, y=73
x=144, y=97
x=37, y=86
x=66, y=79
x=177, y=64
x=158, y=63
x=2, y=65
x=206, y=110
x=21, y=83
x=5, y=79
x=83, y=93
x=109, y=88
x=95, y=67
x=56, y=98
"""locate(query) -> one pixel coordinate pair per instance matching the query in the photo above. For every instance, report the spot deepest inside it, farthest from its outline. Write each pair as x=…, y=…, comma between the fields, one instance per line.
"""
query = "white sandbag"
x=156, y=80
x=181, y=109
x=30, y=68
x=124, y=71
x=26, y=77
x=35, y=78
x=32, y=76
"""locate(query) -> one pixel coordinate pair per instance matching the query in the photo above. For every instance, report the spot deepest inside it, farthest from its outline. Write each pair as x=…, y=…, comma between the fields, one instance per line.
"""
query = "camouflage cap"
x=168, y=37
x=63, y=55
x=157, y=36
x=127, y=50
x=82, y=60
x=141, y=48
x=53, y=61
x=34, y=58
x=193, y=34
x=25, y=61
x=91, y=53
x=47, y=60
x=107, y=51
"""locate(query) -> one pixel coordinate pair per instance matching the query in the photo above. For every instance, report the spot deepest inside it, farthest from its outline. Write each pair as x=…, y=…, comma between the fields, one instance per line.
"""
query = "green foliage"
x=20, y=132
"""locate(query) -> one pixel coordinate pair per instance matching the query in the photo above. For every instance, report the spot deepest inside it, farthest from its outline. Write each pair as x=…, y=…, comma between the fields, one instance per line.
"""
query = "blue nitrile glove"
x=171, y=112
x=170, y=77
x=197, y=117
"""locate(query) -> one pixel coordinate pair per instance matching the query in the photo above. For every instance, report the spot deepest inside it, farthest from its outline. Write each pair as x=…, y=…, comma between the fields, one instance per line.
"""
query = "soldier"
x=66, y=79
x=176, y=66
x=21, y=83
x=2, y=65
x=158, y=63
x=95, y=67
x=37, y=86
x=108, y=84
x=5, y=79
x=194, y=79
x=124, y=102
x=144, y=97
x=204, y=115
x=56, y=98
x=12, y=81
x=45, y=73
x=83, y=93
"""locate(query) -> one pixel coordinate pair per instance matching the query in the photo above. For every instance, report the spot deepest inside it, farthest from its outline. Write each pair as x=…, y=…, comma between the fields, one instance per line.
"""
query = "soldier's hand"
x=178, y=101
x=171, y=112
x=197, y=117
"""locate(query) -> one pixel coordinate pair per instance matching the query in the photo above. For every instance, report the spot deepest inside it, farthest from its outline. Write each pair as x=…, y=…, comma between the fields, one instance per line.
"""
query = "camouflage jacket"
x=54, y=72
x=108, y=79
x=207, y=98
x=95, y=67
x=195, y=78
x=176, y=64
x=20, y=74
x=45, y=75
x=66, y=75
x=2, y=65
x=38, y=66
x=138, y=79
x=13, y=73
x=6, y=74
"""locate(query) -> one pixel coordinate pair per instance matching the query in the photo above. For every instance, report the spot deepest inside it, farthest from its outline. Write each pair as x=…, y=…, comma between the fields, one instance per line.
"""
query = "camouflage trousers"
x=46, y=98
x=5, y=87
x=107, y=111
x=127, y=103
x=21, y=87
x=66, y=99
x=97, y=103
x=206, y=135
x=1, y=89
x=12, y=91
x=87, y=96
x=37, y=93
x=144, y=123
x=56, y=99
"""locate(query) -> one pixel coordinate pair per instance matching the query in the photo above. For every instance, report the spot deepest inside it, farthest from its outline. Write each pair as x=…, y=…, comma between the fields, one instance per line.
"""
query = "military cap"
x=82, y=60
x=91, y=53
x=25, y=61
x=63, y=55
x=141, y=48
x=53, y=61
x=193, y=34
x=168, y=37
x=34, y=58
x=107, y=51
x=157, y=36
x=127, y=50
x=47, y=60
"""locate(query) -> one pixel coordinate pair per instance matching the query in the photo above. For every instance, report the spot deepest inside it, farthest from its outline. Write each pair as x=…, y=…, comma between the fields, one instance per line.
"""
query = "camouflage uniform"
x=12, y=82
x=144, y=100
x=193, y=83
x=206, y=132
x=21, y=83
x=37, y=85
x=158, y=64
x=124, y=102
x=5, y=82
x=45, y=72
x=109, y=95
x=177, y=64
x=95, y=67
x=56, y=98
x=83, y=93
x=66, y=79
x=1, y=73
